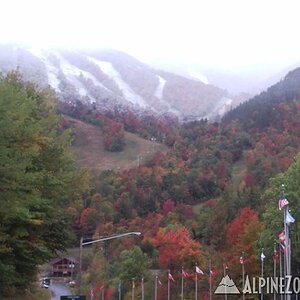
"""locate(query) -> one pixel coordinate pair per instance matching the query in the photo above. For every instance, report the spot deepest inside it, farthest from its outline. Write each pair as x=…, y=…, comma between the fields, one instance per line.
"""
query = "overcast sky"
x=223, y=33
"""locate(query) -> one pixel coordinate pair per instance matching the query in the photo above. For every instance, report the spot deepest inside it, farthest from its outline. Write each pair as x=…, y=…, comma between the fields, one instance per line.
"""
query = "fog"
x=231, y=36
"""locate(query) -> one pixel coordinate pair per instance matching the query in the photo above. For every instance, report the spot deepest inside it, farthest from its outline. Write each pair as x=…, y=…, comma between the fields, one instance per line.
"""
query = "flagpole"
x=274, y=267
x=243, y=274
x=143, y=292
x=196, y=284
x=132, y=289
x=280, y=269
x=119, y=290
x=284, y=267
x=155, y=287
x=286, y=253
x=224, y=267
x=262, y=271
x=287, y=241
x=288, y=248
x=169, y=285
x=210, y=280
x=182, y=283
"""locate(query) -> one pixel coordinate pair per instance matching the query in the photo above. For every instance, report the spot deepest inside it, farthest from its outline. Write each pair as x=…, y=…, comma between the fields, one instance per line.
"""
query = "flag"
x=185, y=274
x=159, y=282
x=275, y=256
x=282, y=203
x=262, y=256
x=101, y=286
x=225, y=266
x=289, y=218
x=170, y=277
x=281, y=236
x=92, y=293
x=282, y=248
x=241, y=260
x=199, y=271
x=133, y=284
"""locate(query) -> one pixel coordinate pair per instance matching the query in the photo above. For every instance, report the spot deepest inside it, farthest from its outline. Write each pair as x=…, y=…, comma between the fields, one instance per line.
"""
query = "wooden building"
x=64, y=266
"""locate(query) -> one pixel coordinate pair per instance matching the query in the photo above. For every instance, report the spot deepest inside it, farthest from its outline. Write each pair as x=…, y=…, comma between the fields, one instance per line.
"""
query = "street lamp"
x=72, y=266
x=105, y=238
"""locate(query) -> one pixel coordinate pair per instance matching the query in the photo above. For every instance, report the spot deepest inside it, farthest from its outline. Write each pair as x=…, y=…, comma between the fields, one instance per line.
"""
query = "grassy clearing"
x=89, y=151
x=197, y=207
x=86, y=250
x=239, y=171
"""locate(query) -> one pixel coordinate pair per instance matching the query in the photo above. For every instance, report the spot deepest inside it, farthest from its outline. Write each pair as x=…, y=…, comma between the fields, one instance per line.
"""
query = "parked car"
x=72, y=283
x=45, y=282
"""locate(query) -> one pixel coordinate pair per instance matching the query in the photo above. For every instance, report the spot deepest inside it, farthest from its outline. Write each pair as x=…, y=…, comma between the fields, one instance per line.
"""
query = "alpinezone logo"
x=261, y=285
x=227, y=286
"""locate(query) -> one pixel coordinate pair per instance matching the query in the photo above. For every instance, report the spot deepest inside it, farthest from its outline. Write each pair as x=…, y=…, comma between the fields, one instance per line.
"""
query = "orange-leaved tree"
x=176, y=248
x=242, y=236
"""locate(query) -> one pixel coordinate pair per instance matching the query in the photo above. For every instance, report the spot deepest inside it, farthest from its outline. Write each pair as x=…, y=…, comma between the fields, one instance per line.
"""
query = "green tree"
x=131, y=264
x=38, y=180
x=273, y=217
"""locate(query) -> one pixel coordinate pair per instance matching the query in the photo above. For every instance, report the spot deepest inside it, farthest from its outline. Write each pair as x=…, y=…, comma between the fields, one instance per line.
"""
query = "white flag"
x=262, y=257
x=199, y=271
x=289, y=218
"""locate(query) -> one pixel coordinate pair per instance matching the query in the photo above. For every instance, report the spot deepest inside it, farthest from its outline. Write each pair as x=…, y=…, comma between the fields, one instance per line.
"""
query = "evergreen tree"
x=38, y=180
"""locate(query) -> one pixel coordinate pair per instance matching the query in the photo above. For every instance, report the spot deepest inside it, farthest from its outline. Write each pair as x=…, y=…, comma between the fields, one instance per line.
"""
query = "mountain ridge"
x=108, y=78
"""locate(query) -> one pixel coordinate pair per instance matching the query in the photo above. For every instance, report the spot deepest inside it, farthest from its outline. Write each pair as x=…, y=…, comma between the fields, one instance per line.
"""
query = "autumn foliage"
x=176, y=247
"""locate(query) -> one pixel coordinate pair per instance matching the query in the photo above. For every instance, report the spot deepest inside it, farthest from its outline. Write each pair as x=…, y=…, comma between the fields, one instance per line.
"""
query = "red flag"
x=170, y=277
x=185, y=274
x=101, y=286
x=281, y=236
x=282, y=203
x=282, y=247
x=108, y=294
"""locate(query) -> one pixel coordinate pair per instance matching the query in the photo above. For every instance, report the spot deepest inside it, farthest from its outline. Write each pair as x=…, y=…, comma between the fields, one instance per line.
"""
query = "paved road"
x=59, y=289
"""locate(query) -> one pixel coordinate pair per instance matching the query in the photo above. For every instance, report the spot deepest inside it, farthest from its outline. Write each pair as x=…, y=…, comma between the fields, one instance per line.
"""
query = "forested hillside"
x=210, y=197
x=209, y=189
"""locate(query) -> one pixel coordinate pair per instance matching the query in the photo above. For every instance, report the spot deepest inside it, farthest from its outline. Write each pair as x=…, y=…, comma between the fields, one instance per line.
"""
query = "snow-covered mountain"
x=109, y=78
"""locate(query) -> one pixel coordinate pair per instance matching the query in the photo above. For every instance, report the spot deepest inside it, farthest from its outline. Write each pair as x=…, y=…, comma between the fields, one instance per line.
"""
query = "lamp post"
x=105, y=238
x=72, y=266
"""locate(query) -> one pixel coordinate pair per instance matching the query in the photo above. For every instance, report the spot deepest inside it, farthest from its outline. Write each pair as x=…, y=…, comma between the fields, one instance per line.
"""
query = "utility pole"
x=80, y=263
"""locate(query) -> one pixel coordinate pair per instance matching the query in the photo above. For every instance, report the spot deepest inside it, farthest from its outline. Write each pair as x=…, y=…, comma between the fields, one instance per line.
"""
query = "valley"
x=198, y=191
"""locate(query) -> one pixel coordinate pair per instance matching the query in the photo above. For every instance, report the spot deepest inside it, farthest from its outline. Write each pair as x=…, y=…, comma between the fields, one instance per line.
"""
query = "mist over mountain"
x=269, y=103
x=236, y=80
x=109, y=78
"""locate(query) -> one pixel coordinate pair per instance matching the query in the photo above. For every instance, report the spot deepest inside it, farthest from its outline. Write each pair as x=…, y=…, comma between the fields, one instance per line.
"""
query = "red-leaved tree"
x=176, y=248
